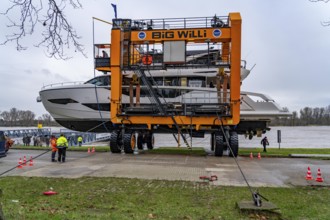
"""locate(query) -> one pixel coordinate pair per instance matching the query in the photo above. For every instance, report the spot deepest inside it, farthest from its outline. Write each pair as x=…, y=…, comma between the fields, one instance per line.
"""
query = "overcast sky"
x=285, y=39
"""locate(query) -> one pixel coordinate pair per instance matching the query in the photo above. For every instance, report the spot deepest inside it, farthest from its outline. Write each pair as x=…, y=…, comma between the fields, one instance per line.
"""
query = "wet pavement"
x=272, y=172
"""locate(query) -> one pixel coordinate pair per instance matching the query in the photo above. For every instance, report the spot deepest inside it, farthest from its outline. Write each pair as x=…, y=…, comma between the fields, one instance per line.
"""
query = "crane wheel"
x=233, y=144
x=115, y=146
x=129, y=142
x=219, y=144
x=140, y=141
x=150, y=140
x=212, y=141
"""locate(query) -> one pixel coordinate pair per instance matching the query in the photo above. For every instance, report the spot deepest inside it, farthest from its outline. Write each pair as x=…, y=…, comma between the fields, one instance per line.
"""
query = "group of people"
x=26, y=140
x=36, y=139
x=59, y=145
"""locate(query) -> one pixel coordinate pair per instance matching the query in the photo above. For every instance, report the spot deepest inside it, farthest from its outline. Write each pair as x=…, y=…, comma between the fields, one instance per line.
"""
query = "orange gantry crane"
x=141, y=48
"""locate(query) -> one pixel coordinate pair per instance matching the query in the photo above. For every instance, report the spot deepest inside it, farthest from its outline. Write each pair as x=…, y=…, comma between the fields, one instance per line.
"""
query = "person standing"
x=104, y=54
x=53, y=146
x=62, y=144
x=47, y=140
x=80, y=140
x=9, y=143
x=34, y=139
x=264, y=143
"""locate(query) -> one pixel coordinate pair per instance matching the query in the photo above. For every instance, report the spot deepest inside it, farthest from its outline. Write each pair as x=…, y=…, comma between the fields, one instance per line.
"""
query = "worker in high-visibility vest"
x=80, y=140
x=62, y=144
x=53, y=146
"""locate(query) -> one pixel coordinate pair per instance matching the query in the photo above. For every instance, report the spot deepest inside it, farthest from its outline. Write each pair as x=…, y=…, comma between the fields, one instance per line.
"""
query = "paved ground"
x=276, y=172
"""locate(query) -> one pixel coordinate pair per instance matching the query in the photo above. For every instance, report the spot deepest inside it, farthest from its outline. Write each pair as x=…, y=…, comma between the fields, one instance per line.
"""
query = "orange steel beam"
x=225, y=49
x=106, y=69
x=116, y=75
x=196, y=121
x=197, y=35
x=230, y=34
x=235, y=62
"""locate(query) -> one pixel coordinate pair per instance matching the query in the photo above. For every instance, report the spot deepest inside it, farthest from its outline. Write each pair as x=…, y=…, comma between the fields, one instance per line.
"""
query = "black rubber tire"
x=140, y=141
x=115, y=142
x=129, y=142
x=150, y=140
x=212, y=141
x=219, y=144
x=233, y=144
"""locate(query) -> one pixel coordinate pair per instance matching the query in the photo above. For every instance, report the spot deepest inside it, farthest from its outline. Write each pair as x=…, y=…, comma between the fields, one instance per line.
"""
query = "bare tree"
x=324, y=23
x=47, y=119
x=306, y=115
x=294, y=118
x=6, y=117
x=27, y=117
x=11, y=116
x=14, y=115
x=58, y=34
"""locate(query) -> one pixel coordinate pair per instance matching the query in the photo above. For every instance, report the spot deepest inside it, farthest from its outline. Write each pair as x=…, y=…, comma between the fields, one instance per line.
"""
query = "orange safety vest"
x=9, y=142
x=53, y=144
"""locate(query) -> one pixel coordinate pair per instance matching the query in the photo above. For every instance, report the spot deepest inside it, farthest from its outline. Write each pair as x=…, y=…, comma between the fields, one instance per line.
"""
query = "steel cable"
x=255, y=193
x=25, y=162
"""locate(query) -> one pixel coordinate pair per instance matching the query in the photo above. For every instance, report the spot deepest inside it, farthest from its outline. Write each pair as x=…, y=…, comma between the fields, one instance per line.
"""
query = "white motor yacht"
x=86, y=106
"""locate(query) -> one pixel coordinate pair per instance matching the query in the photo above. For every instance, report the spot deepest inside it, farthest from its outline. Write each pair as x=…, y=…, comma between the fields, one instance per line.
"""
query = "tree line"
x=307, y=116
x=16, y=117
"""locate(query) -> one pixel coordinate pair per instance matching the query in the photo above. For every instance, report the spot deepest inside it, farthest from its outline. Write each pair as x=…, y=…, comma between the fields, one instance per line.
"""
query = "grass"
x=283, y=152
x=120, y=198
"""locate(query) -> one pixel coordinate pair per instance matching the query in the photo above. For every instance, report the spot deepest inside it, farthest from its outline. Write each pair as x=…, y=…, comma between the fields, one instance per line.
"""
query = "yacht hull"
x=87, y=107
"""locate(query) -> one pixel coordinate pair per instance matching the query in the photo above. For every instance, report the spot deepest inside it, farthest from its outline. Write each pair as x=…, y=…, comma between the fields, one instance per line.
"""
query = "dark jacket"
x=264, y=141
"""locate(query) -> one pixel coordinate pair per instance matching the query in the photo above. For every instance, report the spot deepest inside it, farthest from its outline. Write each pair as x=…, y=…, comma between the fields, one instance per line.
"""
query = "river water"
x=291, y=137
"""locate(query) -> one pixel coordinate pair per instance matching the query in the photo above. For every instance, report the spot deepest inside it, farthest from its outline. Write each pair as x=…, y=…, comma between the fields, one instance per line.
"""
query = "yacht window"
x=98, y=107
x=175, y=82
x=159, y=81
x=106, y=81
x=92, y=81
x=100, y=81
x=169, y=93
x=167, y=82
x=62, y=101
x=171, y=81
x=195, y=83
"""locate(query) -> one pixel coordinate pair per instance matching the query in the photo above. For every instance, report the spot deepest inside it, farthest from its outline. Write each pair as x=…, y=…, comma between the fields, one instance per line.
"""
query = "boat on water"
x=85, y=106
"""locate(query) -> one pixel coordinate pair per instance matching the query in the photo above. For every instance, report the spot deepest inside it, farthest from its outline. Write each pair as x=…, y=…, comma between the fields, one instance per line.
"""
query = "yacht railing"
x=62, y=84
